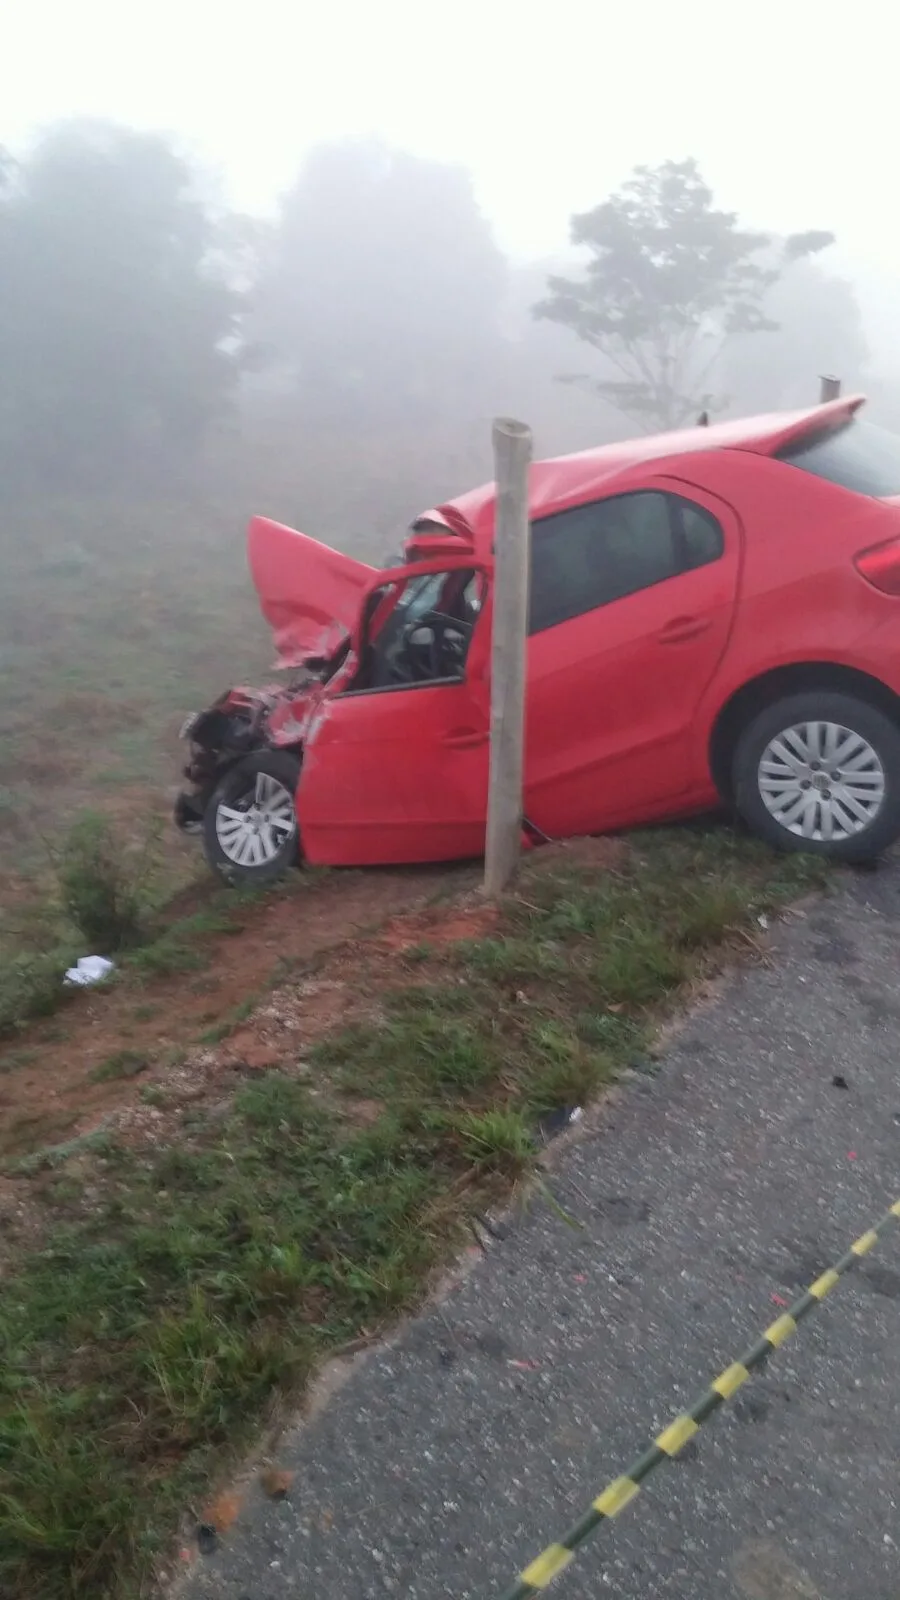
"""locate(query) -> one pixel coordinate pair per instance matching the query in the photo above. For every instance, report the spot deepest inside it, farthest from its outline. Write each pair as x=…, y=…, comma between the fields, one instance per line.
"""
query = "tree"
x=384, y=290
x=819, y=330
x=114, y=318
x=671, y=279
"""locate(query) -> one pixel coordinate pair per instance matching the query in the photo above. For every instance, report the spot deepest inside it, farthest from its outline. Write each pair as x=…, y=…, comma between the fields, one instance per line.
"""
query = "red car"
x=715, y=617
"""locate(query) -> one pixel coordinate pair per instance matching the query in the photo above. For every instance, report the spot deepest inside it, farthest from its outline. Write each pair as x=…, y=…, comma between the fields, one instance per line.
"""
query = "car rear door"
x=633, y=599
x=399, y=772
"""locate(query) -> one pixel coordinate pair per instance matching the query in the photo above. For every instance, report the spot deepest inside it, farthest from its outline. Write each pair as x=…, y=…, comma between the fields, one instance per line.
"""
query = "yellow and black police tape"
x=667, y=1444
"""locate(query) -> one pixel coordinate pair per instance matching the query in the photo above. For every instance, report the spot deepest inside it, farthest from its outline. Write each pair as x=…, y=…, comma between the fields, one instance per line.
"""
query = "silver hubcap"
x=258, y=825
x=821, y=781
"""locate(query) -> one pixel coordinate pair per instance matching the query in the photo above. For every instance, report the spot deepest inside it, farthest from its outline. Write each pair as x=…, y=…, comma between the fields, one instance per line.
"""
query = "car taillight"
x=880, y=566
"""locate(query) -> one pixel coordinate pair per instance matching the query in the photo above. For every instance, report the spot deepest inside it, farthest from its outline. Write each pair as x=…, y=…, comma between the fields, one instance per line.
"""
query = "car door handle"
x=681, y=629
x=466, y=738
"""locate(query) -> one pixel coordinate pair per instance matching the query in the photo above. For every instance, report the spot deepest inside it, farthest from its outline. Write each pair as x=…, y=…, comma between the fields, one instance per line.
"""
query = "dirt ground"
x=53, y=1082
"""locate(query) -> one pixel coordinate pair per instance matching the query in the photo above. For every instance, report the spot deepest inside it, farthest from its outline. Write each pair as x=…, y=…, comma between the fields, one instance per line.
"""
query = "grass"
x=498, y=1141
x=116, y=618
x=55, y=1156
x=31, y=984
x=119, y=613
x=182, y=946
x=182, y=1285
x=231, y=1020
x=122, y=1064
x=145, y=610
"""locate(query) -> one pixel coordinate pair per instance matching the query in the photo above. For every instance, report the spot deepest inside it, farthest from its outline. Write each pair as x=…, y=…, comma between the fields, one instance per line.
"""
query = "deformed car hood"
x=308, y=593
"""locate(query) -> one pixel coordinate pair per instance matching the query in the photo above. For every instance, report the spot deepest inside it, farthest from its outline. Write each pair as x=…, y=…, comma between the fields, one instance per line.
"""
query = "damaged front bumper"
x=205, y=764
x=202, y=773
x=240, y=721
x=188, y=812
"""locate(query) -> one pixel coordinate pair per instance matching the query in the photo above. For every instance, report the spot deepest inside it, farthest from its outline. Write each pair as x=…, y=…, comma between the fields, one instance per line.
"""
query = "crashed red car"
x=714, y=617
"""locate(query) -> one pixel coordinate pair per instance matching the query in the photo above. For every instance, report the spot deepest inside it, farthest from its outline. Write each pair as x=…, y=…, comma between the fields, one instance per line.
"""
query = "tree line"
x=138, y=316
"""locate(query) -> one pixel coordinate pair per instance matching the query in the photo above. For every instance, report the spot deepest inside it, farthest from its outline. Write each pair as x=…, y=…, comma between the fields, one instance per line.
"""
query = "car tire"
x=790, y=788
x=250, y=829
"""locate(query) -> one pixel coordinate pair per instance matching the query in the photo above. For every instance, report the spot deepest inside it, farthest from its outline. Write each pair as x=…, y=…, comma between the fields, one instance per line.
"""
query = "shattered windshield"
x=421, y=595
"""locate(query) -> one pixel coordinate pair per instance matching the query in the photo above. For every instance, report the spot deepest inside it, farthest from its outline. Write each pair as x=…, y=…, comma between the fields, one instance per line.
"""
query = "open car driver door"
x=396, y=770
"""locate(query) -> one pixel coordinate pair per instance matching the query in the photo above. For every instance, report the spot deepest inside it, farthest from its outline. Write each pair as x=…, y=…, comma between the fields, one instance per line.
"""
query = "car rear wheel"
x=820, y=771
x=250, y=830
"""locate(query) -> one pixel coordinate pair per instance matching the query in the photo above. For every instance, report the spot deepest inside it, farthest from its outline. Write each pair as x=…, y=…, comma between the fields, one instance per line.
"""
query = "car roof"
x=564, y=481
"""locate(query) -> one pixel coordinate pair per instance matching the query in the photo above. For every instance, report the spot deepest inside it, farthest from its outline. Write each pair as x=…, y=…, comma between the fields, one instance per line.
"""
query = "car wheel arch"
x=753, y=697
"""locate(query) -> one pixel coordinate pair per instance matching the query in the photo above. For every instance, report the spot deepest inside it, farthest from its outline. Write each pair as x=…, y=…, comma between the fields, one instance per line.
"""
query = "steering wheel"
x=439, y=656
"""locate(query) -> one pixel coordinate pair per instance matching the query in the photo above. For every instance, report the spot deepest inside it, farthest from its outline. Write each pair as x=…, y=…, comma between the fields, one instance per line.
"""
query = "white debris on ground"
x=90, y=969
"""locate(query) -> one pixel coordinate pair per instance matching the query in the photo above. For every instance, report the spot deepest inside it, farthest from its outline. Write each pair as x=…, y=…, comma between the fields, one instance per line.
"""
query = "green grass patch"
x=498, y=1141
x=31, y=986
x=232, y=1020
x=183, y=947
x=146, y=1012
x=50, y=1159
x=194, y=1277
x=122, y=1064
x=31, y=983
x=148, y=1335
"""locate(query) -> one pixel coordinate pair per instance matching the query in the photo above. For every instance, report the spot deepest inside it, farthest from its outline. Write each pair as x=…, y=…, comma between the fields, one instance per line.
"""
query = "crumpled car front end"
x=328, y=614
x=309, y=595
x=236, y=724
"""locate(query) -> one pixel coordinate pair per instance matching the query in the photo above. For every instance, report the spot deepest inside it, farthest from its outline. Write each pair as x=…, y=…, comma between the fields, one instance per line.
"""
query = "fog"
x=545, y=112
x=790, y=119
x=292, y=262
x=789, y=110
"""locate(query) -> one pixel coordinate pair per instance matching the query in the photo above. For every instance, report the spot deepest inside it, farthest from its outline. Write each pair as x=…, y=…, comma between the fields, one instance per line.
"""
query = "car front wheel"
x=250, y=830
x=820, y=771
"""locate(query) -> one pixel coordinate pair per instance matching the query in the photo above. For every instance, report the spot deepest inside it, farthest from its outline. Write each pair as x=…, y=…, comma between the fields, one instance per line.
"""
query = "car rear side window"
x=856, y=455
x=701, y=535
x=594, y=554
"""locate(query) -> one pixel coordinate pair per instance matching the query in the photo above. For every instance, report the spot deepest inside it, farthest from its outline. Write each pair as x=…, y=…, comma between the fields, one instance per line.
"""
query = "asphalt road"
x=707, y=1194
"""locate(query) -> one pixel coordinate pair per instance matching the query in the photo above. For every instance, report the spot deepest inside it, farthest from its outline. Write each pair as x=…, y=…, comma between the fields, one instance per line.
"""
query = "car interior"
x=426, y=637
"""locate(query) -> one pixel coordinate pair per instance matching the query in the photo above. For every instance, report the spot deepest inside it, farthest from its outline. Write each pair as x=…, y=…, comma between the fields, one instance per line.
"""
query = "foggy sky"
x=789, y=105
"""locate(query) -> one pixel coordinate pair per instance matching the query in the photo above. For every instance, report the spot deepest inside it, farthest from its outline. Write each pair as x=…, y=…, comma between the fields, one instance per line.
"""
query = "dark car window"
x=857, y=455
x=593, y=554
x=702, y=539
x=426, y=637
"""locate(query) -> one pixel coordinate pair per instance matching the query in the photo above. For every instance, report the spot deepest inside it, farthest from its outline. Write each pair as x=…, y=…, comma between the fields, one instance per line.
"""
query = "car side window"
x=701, y=536
x=426, y=638
x=587, y=557
x=593, y=554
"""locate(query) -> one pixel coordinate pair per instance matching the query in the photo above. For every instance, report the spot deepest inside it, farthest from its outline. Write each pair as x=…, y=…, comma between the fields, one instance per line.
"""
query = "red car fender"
x=724, y=688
